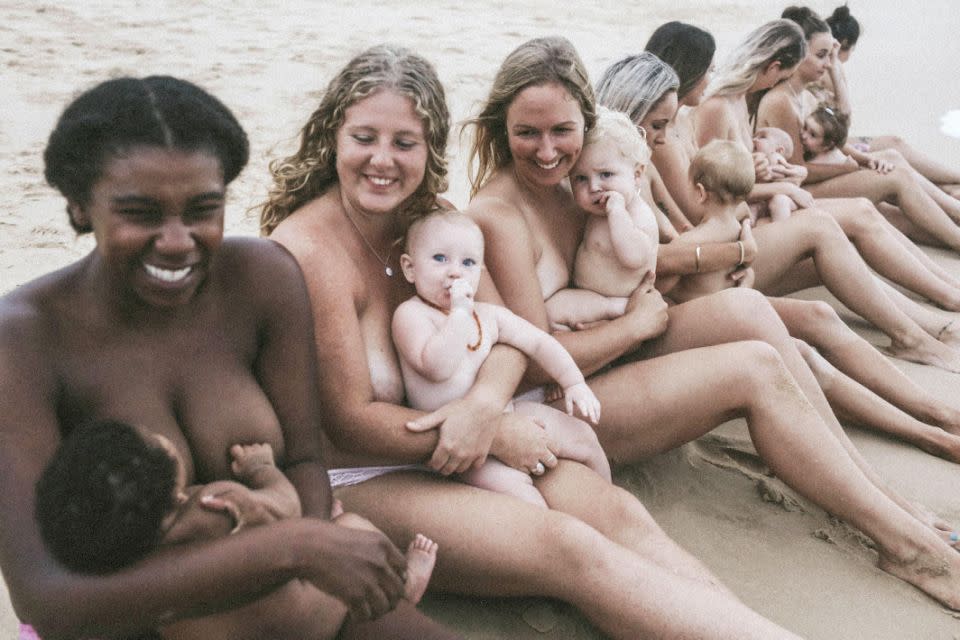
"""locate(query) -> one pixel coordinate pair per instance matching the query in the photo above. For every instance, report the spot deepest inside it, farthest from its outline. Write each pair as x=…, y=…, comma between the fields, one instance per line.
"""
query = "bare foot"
x=421, y=556
x=934, y=570
x=928, y=351
x=943, y=444
x=950, y=334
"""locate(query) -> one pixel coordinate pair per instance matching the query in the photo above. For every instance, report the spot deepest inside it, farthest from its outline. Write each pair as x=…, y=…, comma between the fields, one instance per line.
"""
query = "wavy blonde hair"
x=534, y=63
x=776, y=41
x=312, y=170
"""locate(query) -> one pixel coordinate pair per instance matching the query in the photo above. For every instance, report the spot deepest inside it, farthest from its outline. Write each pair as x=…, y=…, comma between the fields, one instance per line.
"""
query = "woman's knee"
x=756, y=366
x=819, y=316
x=751, y=313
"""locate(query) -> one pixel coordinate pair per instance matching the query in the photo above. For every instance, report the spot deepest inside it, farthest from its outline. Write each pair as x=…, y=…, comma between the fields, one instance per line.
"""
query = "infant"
x=442, y=338
x=618, y=252
x=776, y=145
x=722, y=173
x=114, y=492
x=824, y=135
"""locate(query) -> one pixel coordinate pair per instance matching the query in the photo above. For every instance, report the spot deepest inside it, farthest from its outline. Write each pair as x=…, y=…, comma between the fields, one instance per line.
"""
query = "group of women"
x=211, y=341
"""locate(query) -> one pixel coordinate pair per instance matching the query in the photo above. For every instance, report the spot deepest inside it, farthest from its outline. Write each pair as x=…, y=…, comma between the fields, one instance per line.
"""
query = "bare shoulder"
x=252, y=270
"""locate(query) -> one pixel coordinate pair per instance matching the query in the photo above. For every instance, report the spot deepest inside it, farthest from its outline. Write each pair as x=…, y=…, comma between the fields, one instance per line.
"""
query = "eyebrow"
x=134, y=199
x=402, y=132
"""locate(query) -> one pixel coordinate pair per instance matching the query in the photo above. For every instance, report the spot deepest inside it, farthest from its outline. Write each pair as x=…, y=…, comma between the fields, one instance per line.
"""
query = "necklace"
x=476, y=319
x=387, y=269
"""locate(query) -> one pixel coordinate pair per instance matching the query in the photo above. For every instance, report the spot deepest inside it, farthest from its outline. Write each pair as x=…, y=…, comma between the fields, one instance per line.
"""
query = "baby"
x=824, y=139
x=442, y=338
x=722, y=173
x=113, y=492
x=618, y=252
x=776, y=145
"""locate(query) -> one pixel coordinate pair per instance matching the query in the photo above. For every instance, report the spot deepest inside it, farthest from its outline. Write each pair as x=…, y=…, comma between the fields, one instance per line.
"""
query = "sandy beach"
x=269, y=61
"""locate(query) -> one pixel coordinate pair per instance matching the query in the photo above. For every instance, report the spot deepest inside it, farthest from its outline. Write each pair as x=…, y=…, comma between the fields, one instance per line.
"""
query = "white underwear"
x=356, y=475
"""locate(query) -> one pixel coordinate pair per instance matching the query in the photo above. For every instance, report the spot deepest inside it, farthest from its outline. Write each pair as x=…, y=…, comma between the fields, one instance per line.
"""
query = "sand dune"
x=268, y=60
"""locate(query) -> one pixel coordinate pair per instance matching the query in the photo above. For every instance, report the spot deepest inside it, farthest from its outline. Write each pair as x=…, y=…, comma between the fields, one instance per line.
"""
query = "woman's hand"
x=800, y=196
x=879, y=165
x=361, y=568
x=522, y=443
x=467, y=429
x=743, y=277
x=749, y=243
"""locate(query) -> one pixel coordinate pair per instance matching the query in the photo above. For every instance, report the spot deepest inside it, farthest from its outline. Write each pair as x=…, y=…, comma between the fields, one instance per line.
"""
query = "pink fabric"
x=27, y=633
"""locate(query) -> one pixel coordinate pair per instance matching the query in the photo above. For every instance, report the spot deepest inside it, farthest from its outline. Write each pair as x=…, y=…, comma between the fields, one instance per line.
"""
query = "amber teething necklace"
x=387, y=269
x=476, y=318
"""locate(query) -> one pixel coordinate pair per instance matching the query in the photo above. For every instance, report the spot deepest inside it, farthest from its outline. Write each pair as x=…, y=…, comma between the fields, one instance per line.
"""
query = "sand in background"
x=269, y=60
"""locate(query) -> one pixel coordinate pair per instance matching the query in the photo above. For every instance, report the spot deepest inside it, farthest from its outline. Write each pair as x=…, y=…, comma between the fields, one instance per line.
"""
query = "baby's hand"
x=580, y=396
x=613, y=201
x=461, y=295
x=248, y=457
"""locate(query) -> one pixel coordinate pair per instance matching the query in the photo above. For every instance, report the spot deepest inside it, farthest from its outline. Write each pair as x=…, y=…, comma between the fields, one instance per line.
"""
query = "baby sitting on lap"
x=618, y=252
x=722, y=173
x=776, y=145
x=113, y=492
x=442, y=338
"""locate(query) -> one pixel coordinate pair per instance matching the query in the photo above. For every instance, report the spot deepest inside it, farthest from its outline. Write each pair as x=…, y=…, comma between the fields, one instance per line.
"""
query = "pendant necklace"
x=387, y=269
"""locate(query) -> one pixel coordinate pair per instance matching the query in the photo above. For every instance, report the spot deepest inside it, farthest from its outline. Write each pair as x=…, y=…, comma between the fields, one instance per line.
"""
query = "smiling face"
x=157, y=216
x=658, y=119
x=545, y=133
x=817, y=61
x=381, y=153
x=602, y=167
x=441, y=250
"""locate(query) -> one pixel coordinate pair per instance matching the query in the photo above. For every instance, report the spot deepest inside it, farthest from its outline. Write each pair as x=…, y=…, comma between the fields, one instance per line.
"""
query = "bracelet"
x=742, y=256
x=696, y=254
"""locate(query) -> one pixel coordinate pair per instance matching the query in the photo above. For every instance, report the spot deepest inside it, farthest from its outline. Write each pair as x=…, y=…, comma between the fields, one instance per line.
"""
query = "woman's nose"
x=175, y=237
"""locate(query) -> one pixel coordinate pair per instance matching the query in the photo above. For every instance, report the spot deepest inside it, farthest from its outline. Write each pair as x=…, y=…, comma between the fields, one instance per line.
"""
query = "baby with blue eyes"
x=442, y=337
x=618, y=252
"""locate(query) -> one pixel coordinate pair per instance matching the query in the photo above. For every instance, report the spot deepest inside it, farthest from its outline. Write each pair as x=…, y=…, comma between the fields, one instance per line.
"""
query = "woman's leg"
x=945, y=330
x=929, y=167
x=403, y=623
x=844, y=273
x=944, y=200
x=861, y=406
x=817, y=324
x=495, y=545
x=899, y=187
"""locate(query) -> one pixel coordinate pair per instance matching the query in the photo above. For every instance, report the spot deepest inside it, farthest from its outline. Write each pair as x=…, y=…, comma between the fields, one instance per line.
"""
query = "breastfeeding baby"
x=114, y=492
x=824, y=139
x=442, y=337
x=776, y=146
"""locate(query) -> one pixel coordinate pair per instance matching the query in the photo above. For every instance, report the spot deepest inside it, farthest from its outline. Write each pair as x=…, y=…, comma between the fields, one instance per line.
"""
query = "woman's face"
x=693, y=98
x=545, y=133
x=157, y=216
x=817, y=61
x=658, y=119
x=381, y=153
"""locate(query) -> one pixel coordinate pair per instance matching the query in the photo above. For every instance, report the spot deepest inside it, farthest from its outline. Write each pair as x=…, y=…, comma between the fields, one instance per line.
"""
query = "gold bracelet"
x=696, y=255
x=742, y=256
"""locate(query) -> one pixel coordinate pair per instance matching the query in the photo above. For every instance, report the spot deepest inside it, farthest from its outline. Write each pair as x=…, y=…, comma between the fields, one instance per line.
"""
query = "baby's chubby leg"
x=780, y=207
x=498, y=477
x=573, y=438
x=421, y=553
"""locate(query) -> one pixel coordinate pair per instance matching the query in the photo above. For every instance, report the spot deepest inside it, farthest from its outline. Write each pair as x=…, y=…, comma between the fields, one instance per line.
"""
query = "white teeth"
x=380, y=182
x=167, y=275
x=552, y=165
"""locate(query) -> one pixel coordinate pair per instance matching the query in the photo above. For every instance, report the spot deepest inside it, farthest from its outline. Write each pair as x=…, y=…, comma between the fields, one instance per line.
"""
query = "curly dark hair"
x=119, y=114
x=101, y=500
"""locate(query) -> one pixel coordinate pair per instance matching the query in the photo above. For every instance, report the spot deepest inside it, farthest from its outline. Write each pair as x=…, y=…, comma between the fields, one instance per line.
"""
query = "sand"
x=268, y=60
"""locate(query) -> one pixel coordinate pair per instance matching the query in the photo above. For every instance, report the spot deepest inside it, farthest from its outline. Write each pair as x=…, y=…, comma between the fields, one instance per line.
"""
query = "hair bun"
x=841, y=13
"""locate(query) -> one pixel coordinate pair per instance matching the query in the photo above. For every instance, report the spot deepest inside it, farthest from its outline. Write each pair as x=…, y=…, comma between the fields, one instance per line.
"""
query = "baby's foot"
x=421, y=556
x=247, y=458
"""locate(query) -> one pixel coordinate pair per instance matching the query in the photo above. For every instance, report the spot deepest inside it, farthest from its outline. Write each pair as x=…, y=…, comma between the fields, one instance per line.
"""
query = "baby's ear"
x=638, y=172
x=406, y=265
x=702, y=193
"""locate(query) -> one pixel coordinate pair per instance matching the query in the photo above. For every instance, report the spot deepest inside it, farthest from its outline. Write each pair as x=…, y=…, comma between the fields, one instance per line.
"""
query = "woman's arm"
x=712, y=121
x=664, y=203
x=838, y=78
x=511, y=263
x=171, y=583
x=672, y=167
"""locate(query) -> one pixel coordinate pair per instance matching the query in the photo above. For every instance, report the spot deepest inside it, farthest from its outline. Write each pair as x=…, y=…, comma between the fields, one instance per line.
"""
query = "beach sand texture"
x=269, y=61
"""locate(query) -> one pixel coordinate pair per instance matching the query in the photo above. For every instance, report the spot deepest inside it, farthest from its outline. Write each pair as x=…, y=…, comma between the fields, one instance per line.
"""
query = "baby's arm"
x=793, y=173
x=254, y=465
x=552, y=357
x=631, y=243
x=570, y=309
x=435, y=354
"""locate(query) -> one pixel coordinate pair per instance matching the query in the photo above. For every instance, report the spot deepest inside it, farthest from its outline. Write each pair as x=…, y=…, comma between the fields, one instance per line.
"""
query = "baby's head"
x=722, y=171
x=614, y=155
x=441, y=247
x=107, y=496
x=824, y=130
x=769, y=140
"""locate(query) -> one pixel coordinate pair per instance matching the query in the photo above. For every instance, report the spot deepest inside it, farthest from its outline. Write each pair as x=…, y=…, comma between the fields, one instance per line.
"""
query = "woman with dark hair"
x=199, y=339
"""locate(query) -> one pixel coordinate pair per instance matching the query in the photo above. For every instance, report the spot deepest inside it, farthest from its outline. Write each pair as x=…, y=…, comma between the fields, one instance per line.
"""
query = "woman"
x=697, y=374
x=371, y=157
x=928, y=213
x=768, y=55
x=643, y=86
x=834, y=89
x=168, y=326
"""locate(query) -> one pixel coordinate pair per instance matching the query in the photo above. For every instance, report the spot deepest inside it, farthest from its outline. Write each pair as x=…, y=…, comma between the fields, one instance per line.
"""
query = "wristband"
x=696, y=255
x=742, y=253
